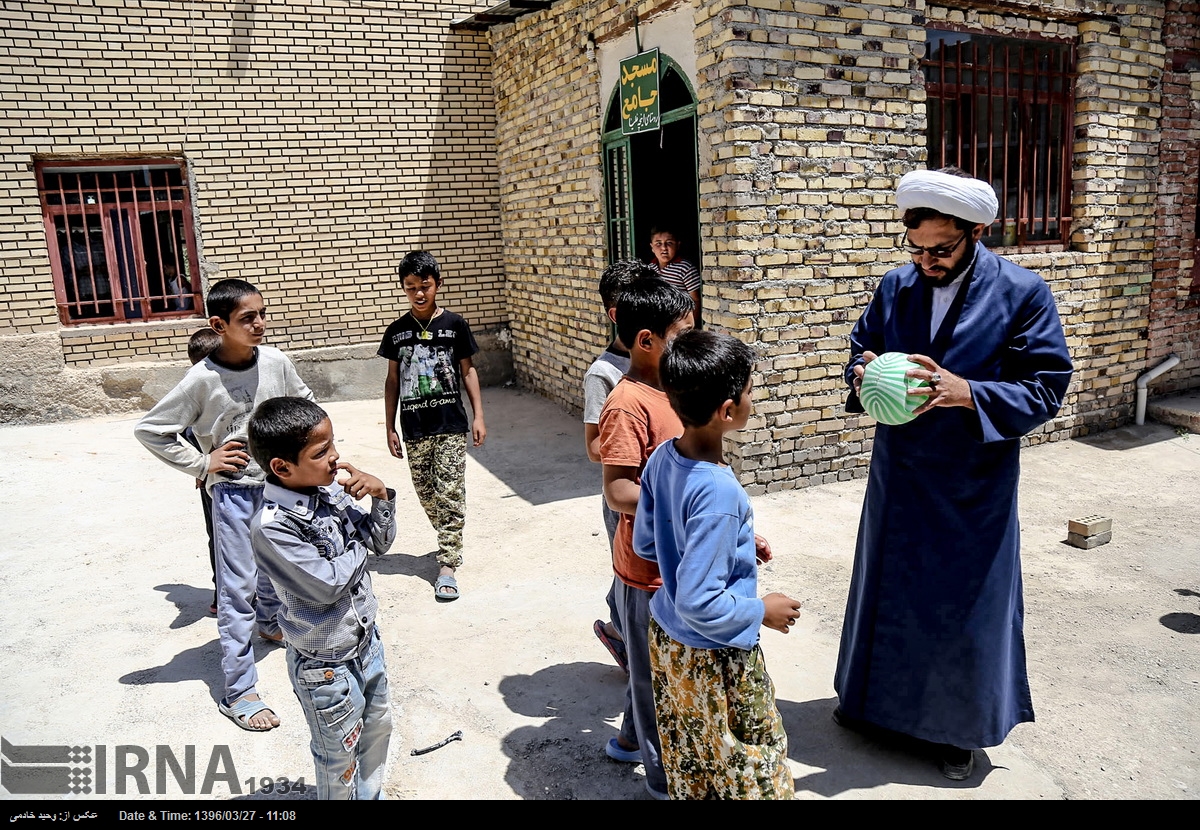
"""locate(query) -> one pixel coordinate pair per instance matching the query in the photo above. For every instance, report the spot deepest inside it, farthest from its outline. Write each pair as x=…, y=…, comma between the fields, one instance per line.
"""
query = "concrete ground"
x=105, y=577
x=1179, y=410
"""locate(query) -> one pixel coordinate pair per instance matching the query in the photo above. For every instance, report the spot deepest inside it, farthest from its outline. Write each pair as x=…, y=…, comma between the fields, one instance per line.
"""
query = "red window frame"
x=121, y=239
x=1002, y=108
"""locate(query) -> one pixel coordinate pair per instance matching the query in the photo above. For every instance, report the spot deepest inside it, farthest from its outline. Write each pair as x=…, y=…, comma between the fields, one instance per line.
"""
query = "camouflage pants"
x=722, y=736
x=438, y=465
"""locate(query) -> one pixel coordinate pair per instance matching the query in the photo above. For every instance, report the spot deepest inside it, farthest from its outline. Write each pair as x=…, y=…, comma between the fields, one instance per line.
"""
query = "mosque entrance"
x=651, y=178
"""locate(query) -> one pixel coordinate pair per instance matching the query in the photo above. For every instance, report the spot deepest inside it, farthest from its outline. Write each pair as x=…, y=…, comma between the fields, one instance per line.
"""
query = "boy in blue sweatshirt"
x=722, y=735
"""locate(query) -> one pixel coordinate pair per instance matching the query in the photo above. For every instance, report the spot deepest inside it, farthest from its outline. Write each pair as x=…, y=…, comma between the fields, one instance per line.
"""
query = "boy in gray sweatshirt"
x=215, y=399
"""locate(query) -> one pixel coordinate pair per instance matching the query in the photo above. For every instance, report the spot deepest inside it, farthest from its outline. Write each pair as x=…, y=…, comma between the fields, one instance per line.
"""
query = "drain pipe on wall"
x=1144, y=381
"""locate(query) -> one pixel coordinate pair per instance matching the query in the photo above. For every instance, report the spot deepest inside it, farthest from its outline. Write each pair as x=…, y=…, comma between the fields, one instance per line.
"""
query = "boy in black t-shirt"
x=429, y=353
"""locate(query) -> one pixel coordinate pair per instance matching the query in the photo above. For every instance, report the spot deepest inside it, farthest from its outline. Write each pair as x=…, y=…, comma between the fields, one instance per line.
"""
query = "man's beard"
x=940, y=279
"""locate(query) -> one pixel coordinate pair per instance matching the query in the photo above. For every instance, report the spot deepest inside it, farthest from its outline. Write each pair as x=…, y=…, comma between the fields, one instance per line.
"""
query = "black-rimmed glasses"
x=935, y=251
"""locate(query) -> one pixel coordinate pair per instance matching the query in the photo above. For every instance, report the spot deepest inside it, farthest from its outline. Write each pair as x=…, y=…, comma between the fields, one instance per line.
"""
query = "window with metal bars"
x=1002, y=109
x=121, y=238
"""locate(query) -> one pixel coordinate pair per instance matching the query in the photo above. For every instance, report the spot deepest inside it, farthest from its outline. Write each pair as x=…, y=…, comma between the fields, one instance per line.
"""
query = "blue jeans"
x=349, y=717
x=245, y=598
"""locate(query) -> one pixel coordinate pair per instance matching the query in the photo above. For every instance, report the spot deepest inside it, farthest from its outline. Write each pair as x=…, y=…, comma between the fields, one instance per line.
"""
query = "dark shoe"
x=846, y=722
x=957, y=764
x=615, y=647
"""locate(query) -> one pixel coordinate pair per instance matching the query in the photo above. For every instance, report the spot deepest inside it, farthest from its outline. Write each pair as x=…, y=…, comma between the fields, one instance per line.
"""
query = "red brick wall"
x=1174, y=324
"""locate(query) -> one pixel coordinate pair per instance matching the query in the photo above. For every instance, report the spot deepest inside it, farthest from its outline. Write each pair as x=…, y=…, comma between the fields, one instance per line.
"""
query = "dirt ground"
x=105, y=577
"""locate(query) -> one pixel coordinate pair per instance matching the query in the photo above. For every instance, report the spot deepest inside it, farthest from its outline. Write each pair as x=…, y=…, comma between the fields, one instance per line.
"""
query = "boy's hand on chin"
x=360, y=484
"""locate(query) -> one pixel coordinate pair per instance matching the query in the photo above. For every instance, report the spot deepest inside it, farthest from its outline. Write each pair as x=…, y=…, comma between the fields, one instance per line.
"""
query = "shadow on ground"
x=191, y=603
x=1129, y=437
x=1182, y=622
x=850, y=761
x=201, y=663
x=536, y=451
x=563, y=758
x=423, y=566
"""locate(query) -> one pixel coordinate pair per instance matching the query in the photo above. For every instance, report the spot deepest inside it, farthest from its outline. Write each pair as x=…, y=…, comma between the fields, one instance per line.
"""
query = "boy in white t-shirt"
x=601, y=377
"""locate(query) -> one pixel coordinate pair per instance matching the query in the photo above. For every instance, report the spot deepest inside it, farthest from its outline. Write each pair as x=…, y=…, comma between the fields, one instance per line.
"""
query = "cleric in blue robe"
x=933, y=644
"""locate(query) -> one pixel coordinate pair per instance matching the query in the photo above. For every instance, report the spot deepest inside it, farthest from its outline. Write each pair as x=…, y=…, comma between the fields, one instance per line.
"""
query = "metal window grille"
x=121, y=238
x=1002, y=109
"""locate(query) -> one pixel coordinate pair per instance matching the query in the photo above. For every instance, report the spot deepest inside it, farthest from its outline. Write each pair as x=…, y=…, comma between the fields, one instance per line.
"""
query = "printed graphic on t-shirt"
x=428, y=359
x=427, y=372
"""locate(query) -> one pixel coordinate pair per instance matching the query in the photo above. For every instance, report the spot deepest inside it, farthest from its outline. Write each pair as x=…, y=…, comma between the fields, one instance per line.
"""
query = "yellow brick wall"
x=324, y=143
x=1175, y=302
x=809, y=113
x=805, y=130
x=549, y=110
x=126, y=342
x=323, y=140
x=1102, y=283
x=850, y=120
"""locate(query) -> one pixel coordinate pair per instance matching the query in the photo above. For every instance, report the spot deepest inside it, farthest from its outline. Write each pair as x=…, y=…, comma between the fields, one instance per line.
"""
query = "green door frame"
x=618, y=184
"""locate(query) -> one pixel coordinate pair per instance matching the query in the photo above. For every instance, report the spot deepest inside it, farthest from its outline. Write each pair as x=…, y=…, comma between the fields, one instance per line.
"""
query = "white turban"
x=969, y=199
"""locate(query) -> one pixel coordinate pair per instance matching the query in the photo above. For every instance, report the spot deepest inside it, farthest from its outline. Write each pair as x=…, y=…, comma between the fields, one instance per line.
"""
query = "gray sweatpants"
x=633, y=606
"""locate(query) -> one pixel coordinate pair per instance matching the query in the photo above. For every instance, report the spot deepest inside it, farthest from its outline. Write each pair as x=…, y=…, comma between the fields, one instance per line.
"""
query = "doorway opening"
x=651, y=179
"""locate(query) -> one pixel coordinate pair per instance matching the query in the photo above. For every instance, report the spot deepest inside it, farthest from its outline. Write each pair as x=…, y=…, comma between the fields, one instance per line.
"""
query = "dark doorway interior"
x=652, y=178
x=663, y=169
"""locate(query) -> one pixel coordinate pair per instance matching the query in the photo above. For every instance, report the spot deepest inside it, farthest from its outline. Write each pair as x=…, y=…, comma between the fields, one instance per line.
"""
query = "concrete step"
x=1180, y=410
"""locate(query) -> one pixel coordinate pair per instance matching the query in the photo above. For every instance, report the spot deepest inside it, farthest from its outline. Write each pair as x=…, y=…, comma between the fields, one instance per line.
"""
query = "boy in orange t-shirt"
x=636, y=418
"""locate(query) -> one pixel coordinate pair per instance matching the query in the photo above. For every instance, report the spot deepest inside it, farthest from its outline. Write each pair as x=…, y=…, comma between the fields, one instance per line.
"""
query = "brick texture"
x=323, y=140
x=1175, y=295
x=548, y=112
x=809, y=113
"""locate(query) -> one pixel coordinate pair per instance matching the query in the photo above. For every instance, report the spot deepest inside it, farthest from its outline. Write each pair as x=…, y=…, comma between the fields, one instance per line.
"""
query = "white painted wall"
x=673, y=33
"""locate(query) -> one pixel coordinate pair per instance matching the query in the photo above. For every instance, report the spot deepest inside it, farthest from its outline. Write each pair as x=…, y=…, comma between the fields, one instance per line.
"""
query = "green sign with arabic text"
x=639, y=93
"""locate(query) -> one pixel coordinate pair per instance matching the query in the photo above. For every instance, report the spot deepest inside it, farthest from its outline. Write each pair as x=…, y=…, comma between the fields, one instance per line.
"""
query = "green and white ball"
x=884, y=392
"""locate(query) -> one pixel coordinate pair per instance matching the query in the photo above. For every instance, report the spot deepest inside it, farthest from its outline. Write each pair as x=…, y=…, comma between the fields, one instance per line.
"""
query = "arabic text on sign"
x=628, y=73
x=636, y=102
